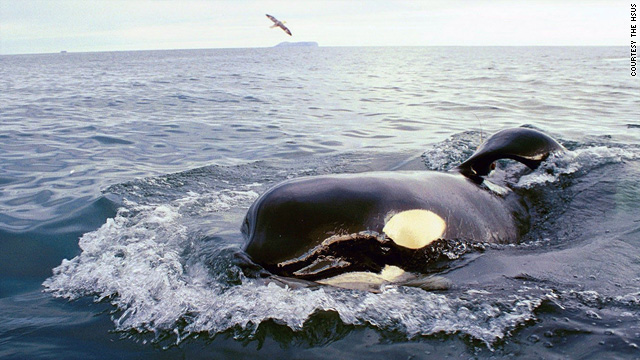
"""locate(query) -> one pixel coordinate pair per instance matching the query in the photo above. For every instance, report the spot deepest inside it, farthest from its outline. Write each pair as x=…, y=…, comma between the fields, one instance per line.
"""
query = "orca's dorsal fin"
x=525, y=145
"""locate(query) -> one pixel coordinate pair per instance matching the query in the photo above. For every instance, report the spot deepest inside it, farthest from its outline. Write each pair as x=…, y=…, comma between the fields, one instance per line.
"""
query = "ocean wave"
x=163, y=279
x=170, y=270
x=164, y=276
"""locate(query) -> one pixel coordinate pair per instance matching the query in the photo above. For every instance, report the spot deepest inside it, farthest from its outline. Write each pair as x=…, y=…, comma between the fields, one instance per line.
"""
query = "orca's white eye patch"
x=414, y=229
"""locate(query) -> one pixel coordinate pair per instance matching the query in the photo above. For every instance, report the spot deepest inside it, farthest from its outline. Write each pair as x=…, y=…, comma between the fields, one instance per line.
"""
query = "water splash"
x=575, y=163
x=164, y=276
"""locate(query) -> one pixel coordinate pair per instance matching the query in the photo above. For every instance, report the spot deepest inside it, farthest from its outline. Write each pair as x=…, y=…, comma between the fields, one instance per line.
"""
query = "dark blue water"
x=124, y=178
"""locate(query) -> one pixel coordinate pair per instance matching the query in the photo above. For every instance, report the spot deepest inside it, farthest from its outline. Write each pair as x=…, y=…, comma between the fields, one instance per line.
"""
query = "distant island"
x=300, y=43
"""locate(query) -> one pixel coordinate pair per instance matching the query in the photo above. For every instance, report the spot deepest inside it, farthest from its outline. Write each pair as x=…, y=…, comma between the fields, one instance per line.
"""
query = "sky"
x=46, y=26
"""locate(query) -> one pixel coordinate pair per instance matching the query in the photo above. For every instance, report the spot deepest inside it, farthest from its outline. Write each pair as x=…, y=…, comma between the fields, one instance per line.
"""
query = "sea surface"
x=124, y=178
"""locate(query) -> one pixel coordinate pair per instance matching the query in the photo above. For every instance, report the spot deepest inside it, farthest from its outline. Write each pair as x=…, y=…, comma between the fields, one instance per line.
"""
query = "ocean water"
x=124, y=178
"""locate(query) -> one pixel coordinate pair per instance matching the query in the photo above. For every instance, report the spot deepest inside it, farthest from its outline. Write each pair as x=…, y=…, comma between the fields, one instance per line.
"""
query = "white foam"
x=574, y=162
x=154, y=268
x=150, y=264
x=147, y=264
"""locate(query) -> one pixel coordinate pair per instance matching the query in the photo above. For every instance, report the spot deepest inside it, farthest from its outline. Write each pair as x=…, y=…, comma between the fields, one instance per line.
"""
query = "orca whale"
x=341, y=229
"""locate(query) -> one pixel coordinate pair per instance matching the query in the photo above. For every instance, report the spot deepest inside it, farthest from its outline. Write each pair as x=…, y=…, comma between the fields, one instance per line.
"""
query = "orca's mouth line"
x=370, y=252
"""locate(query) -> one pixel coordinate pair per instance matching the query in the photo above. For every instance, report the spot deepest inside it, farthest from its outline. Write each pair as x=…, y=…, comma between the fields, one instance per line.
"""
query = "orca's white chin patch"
x=414, y=229
x=364, y=280
x=391, y=274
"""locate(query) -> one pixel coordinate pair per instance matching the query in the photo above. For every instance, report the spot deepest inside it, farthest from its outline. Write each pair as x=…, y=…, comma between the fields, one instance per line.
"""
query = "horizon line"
x=64, y=51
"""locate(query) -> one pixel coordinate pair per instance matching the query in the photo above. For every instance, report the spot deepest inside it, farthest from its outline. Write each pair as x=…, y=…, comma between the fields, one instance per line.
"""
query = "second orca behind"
x=380, y=224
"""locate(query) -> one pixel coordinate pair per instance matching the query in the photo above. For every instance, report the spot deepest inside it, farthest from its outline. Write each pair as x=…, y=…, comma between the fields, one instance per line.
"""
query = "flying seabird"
x=278, y=23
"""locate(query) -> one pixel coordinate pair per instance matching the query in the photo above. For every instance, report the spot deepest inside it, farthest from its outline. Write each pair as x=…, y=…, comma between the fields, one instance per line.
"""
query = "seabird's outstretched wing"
x=278, y=23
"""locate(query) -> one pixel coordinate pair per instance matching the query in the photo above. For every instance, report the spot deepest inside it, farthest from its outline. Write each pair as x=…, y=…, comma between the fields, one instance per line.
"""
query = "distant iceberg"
x=299, y=43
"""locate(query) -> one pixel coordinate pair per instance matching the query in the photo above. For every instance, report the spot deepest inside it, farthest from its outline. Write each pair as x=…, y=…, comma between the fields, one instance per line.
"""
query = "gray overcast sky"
x=41, y=26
